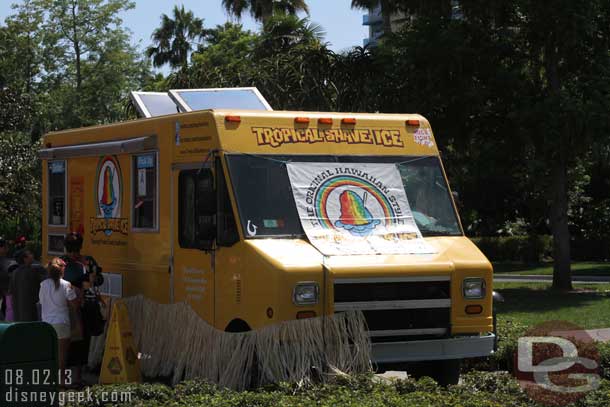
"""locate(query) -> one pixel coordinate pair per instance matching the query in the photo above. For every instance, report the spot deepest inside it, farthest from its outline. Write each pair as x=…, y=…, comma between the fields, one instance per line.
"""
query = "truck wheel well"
x=238, y=325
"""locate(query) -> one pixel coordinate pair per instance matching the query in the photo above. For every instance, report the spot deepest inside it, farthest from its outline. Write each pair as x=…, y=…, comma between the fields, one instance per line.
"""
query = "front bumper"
x=434, y=349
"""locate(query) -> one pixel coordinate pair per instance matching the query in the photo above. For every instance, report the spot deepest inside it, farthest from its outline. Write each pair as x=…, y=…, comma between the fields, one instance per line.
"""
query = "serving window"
x=145, y=192
x=57, y=193
x=55, y=244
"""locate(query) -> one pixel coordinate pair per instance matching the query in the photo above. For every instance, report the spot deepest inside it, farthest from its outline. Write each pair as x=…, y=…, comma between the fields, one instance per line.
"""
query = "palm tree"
x=174, y=39
x=262, y=10
x=283, y=32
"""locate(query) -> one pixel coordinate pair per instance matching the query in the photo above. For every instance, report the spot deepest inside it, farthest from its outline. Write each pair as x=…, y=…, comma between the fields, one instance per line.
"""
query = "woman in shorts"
x=56, y=296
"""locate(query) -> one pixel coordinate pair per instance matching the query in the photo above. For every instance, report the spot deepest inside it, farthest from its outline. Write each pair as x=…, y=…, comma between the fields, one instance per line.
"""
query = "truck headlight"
x=473, y=288
x=306, y=293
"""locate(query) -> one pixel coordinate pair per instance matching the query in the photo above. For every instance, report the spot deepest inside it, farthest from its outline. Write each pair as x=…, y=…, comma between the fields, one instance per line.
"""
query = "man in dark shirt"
x=5, y=263
x=24, y=287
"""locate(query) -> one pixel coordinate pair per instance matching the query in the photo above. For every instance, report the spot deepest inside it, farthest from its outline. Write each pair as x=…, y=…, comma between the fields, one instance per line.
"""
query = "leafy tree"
x=22, y=52
x=568, y=49
x=226, y=44
x=83, y=27
x=224, y=59
x=19, y=185
x=293, y=63
x=16, y=112
x=173, y=40
x=356, y=66
x=462, y=76
x=545, y=66
x=63, y=63
x=287, y=61
x=96, y=65
x=263, y=10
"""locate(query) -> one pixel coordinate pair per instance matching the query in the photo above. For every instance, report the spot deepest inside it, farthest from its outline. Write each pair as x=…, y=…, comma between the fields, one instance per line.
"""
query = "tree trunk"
x=77, y=50
x=267, y=11
x=386, y=15
x=79, y=78
x=562, y=273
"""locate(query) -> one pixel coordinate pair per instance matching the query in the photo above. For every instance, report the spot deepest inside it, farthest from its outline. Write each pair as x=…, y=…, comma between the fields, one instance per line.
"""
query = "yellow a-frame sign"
x=120, y=363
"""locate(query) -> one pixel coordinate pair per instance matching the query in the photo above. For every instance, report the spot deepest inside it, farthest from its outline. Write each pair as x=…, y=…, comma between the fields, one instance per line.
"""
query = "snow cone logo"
x=355, y=208
x=109, y=191
x=557, y=363
x=352, y=204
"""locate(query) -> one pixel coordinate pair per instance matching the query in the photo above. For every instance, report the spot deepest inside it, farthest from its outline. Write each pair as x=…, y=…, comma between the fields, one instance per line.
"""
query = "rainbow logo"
x=361, y=205
x=108, y=198
x=108, y=194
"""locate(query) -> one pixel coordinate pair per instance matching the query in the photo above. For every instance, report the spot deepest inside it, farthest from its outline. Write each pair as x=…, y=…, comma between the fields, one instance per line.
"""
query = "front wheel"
x=444, y=372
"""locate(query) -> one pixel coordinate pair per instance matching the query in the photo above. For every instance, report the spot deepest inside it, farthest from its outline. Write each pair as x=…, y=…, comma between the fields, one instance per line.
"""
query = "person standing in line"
x=82, y=272
x=19, y=245
x=56, y=299
x=24, y=287
x=6, y=263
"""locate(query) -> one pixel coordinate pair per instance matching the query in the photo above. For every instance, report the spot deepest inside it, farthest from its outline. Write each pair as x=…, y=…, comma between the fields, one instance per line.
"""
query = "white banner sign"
x=355, y=209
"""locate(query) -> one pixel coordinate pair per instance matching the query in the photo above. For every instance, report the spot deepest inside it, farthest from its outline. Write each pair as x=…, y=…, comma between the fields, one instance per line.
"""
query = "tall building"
x=374, y=20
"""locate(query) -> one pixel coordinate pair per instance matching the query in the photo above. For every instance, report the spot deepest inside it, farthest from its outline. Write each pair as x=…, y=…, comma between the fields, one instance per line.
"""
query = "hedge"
x=536, y=249
x=485, y=382
x=525, y=249
x=477, y=389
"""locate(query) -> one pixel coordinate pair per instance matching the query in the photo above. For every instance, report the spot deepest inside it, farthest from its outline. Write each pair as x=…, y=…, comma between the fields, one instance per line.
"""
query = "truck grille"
x=398, y=308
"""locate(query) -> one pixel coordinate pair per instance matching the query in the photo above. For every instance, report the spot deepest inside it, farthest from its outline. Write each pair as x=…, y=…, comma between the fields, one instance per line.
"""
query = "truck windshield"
x=267, y=209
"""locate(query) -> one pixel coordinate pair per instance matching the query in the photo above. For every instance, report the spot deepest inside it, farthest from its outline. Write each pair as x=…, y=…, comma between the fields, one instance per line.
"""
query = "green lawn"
x=578, y=269
x=533, y=303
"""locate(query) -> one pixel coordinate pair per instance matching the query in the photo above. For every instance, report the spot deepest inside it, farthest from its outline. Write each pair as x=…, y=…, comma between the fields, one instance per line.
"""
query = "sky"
x=343, y=26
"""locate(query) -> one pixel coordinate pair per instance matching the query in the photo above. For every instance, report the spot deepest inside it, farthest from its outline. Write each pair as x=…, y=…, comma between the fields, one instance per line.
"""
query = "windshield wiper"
x=432, y=233
x=284, y=236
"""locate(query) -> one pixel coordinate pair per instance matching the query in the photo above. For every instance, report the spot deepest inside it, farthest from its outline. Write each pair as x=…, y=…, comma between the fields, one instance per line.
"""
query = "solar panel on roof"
x=152, y=104
x=224, y=98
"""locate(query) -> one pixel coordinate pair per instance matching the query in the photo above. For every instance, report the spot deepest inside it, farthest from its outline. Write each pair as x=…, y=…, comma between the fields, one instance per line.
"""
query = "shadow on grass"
x=578, y=269
x=519, y=267
x=537, y=302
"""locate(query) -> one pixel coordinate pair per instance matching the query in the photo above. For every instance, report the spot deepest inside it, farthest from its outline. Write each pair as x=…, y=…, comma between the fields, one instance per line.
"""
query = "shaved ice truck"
x=254, y=216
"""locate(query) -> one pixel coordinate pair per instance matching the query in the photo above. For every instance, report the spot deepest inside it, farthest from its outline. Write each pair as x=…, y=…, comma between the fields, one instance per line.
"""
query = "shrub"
x=604, y=359
x=503, y=359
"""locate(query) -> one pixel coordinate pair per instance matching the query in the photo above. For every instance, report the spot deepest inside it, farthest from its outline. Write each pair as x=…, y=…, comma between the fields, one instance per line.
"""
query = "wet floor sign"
x=120, y=363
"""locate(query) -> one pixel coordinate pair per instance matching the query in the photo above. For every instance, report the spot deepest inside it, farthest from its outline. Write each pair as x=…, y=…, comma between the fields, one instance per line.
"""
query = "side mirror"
x=207, y=232
x=456, y=199
x=206, y=195
x=207, y=245
x=497, y=297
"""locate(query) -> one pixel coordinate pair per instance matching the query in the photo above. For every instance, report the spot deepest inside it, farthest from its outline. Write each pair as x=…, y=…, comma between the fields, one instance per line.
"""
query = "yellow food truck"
x=254, y=216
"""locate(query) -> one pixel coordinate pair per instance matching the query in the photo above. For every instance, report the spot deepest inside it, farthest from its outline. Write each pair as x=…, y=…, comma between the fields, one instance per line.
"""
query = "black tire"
x=238, y=326
x=444, y=372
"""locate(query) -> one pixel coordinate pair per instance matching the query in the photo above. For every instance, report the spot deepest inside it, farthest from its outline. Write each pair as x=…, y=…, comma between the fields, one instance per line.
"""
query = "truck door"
x=194, y=220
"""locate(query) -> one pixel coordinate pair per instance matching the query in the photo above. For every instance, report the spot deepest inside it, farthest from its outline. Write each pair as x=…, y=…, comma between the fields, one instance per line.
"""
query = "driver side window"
x=197, y=208
x=205, y=212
